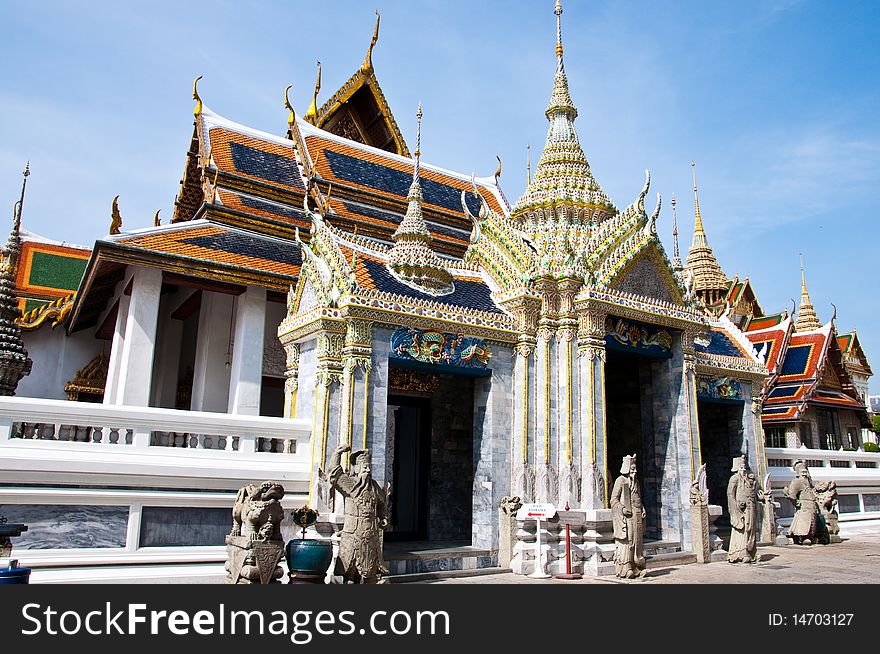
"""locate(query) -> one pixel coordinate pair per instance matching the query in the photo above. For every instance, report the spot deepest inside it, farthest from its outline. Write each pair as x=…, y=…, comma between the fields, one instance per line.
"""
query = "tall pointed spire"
x=14, y=360
x=676, y=255
x=562, y=179
x=710, y=282
x=807, y=320
x=411, y=259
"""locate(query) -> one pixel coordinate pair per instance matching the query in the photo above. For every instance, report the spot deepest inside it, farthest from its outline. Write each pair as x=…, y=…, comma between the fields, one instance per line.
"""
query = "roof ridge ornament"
x=291, y=118
x=312, y=114
x=368, y=60
x=198, y=108
x=115, y=218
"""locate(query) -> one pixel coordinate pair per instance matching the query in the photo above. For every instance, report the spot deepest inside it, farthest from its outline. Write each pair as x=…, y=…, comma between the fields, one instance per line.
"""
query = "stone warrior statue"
x=826, y=499
x=366, y=514
x=255, y=545
x=800, y=492
x=628, y=517
x=742, y=491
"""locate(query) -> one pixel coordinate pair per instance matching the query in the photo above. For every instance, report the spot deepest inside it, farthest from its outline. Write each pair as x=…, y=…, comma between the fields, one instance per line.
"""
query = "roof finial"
x=291, y=118
x=157, y=222
x=198, y=109
x=312, y=114
x=560, y=67
x=17, y=219
x=698, y=226
x=498, y=171
x=418, y=152
x=528, y=164
x=676, y=255
x=115, y=218
x=368, y=60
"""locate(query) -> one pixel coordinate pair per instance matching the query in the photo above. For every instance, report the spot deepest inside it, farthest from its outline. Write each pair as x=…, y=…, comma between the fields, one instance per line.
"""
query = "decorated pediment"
x=650, y=276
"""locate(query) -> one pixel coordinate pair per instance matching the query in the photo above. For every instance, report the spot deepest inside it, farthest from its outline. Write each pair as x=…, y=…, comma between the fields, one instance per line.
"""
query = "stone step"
x=654, y=547
x=444, y=574
x=670, y=558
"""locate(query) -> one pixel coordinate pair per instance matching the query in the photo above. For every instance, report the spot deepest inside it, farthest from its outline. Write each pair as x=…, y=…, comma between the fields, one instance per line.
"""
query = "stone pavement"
x=854, y=561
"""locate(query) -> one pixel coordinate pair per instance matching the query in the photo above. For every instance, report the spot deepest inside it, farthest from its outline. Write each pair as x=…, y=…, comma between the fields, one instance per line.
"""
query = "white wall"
x=57, y=358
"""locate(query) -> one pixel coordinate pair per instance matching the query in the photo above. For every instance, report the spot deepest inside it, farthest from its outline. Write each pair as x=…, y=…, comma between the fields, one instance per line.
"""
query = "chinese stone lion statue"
x=255, y=545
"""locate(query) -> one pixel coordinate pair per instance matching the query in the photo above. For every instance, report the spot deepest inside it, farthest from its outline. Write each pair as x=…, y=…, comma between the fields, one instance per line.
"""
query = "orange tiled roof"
x=217, y=244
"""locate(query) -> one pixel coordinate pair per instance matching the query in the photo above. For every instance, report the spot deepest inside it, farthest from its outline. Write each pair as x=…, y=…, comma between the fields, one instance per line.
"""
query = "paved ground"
x=854, y=561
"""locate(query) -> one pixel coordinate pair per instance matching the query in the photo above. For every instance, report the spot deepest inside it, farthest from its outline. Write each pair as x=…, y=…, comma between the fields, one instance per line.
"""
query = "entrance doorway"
x=721, y=439
x=431, y=439
x=630, y=428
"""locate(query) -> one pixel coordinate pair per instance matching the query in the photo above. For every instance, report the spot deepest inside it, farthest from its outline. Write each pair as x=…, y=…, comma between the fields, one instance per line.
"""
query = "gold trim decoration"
x=407, y=380
x=90, y=380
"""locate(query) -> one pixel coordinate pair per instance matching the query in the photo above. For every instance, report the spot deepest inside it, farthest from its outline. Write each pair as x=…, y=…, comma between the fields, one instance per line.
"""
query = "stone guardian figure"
x=366, y=515
x=628, y=517
x=742, y=496
x=800, y=493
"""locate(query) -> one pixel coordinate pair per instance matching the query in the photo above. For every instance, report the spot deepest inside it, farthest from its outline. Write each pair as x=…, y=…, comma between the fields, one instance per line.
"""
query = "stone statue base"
x=700, y=532
x=253, y=561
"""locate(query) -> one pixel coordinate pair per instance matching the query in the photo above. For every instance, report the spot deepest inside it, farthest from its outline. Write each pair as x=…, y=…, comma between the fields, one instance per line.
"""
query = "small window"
x=774, y=437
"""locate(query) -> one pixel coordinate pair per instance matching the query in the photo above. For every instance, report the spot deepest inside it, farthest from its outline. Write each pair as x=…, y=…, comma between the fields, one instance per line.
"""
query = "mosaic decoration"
x=633, y=335
x=719, y=388
x=436, y=348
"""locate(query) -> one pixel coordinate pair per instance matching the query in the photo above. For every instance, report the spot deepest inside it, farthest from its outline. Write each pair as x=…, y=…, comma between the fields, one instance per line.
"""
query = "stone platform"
x=431, y=557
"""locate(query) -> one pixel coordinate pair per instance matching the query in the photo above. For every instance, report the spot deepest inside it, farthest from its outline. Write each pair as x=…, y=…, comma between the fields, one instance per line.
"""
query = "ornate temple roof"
x=756, y=323
x=854, y=354
x=563, y=188
x=707, y=272
x=807, y=369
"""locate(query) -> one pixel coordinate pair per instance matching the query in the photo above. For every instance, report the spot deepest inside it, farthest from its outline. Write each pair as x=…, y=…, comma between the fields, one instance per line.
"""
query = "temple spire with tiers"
x=562, y=187
x=807, y=320
x=14, y=360
x=710, y=282
x=411, y=259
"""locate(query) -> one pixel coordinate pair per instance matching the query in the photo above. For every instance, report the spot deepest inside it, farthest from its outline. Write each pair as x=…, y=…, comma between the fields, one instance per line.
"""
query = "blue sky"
x=777, y=100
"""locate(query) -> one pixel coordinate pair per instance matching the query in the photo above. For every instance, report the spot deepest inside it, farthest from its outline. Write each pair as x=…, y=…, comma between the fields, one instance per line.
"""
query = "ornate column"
x=546, y=445
x=525, y=308
x=591, y=366
x=567, y=400
x=357, y=356
x=328, y=378
x=690, y=384
x=291, y=379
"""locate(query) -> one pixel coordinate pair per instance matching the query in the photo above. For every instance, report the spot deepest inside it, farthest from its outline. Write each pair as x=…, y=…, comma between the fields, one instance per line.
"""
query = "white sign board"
x=536, y=511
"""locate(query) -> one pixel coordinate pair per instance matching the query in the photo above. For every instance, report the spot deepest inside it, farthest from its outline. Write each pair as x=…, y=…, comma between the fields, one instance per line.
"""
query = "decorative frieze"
x=437, y=348
x=719, y=388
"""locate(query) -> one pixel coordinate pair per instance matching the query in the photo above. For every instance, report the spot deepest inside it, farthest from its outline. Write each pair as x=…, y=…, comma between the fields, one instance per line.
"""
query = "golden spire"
x=312, y=114
x=291, y=118
x=709, y=279
x=807, y=320
x=368, y=60
x=115, y=218
x=198, y=109
x=699, y=232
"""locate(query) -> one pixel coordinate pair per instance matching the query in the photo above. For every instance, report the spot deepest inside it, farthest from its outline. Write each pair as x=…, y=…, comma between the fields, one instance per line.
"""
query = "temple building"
x=327, y=285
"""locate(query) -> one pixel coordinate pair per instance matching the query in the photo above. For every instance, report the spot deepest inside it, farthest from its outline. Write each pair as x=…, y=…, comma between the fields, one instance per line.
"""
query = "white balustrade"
x=77, y=437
